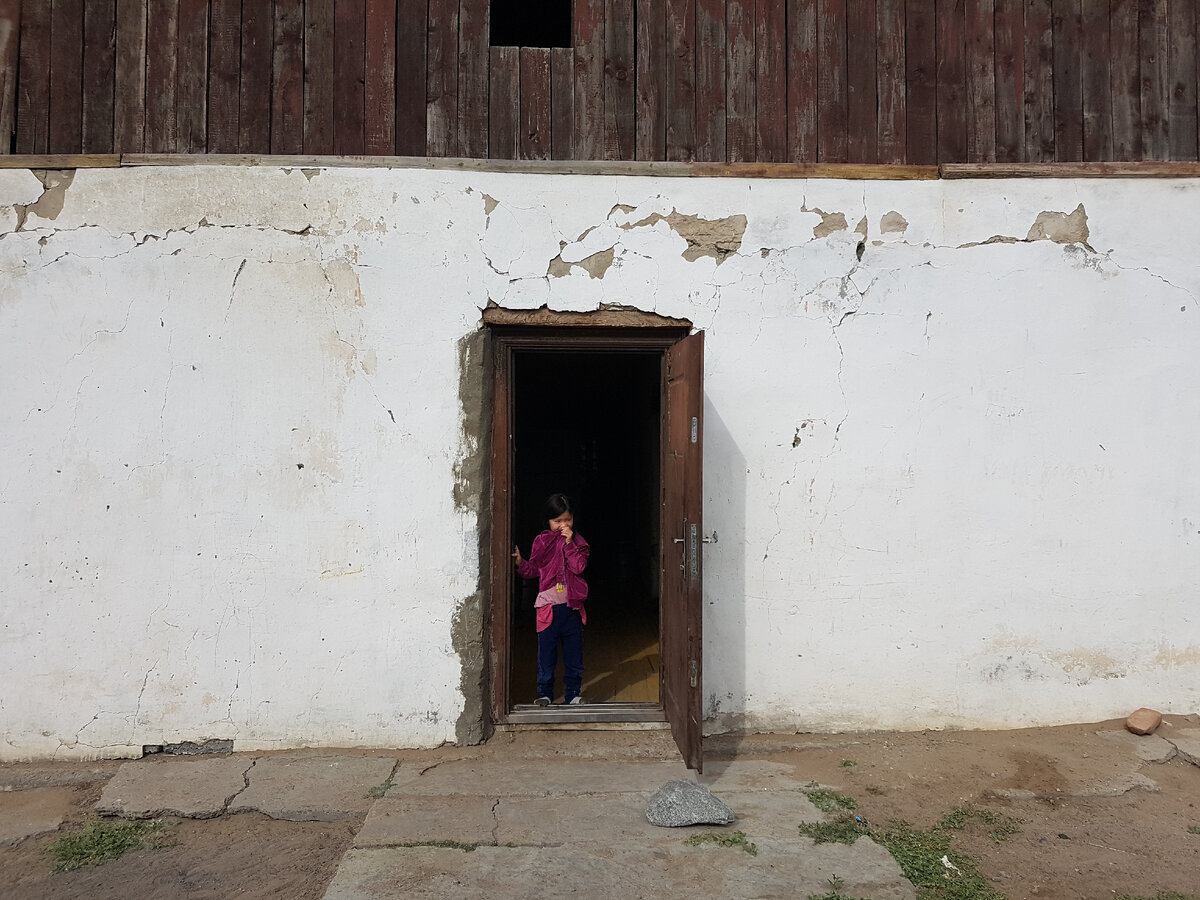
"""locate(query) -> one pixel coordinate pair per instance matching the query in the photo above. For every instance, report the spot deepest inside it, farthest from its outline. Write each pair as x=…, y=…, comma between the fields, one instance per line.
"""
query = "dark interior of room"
x=587, y=424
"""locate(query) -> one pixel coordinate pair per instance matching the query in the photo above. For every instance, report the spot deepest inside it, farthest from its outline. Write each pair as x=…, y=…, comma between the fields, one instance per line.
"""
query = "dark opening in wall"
x=531, y=23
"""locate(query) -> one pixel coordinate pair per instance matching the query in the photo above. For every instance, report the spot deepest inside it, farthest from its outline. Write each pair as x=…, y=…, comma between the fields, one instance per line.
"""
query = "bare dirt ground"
x=1096, y=822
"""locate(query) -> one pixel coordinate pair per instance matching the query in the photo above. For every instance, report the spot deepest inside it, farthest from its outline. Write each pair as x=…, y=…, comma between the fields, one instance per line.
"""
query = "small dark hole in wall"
x=531, y=23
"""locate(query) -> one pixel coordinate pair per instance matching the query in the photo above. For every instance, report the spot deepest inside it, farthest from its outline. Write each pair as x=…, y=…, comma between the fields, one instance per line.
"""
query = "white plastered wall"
x=949, y=443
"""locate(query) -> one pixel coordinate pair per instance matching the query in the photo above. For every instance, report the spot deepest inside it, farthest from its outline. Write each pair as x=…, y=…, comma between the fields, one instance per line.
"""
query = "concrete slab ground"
x=26, y=813
x=191, y=788
x=315, y=788
x=1187, y=742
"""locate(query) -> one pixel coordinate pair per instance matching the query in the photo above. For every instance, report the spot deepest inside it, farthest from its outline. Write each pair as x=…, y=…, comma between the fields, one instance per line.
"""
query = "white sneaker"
x=542, y=701
x=578, y=701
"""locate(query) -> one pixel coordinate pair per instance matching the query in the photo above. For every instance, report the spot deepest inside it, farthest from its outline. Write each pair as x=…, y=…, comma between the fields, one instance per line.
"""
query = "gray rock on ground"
x=680, y=803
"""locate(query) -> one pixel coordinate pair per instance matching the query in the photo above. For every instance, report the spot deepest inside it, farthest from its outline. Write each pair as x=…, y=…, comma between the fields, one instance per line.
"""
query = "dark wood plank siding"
x=349, y=77
x=254, y=90
x=287, y=83
x=33, y=93
x=861, y=81
x=504, y=126
x=66, y=76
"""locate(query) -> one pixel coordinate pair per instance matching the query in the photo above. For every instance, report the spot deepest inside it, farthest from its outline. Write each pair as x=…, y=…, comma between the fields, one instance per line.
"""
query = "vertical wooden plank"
x=99, y=74
x=1152, y=33
x=473, y=32
x=861, y=81
x=224, y=75
x=833, y=111
x=33, y=88
x=891, y=133
x=741, y=92
x=1010, y=81
x=10, y=42
x=562, y=103
x=1039, y=82
x=710, y=80
x=1068, y=81
x=504, y=106
x=318, y=76
x=681, y=80
x=802, y=80
x=770, y=48
x=921, y=64
x=441, y=87
x=129, y=106
x=379, y=111
x=162, y=43
x=1181, y=72
x=589, y=79
x=619, y=77
x=951, y=81
x=1097, y=83
x=651, y=121
x=191, y=78
x=66, y=76
x=981, y=81
x=254, y=100
x=411, y=50
x=349, y=76
x=1125, y=80
x=287, y=82
x=535, y=103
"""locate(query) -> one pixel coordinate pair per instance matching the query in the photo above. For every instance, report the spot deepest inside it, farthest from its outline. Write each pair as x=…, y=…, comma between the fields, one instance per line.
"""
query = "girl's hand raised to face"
x=517, y=555
x=566, y=532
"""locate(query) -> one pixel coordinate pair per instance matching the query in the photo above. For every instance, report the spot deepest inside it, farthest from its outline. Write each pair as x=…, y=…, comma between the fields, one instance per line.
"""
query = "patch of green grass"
x=380, y=790
x=845, y=831
x=1003, y=827
x=848, y=763
x=835, y=893
x=105, y=841
x=447, y=845
x=723, y=839
x=827, y=800
x=1194, y=829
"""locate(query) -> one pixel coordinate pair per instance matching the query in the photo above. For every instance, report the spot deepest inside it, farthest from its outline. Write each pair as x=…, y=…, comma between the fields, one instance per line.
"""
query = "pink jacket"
x=552, y=561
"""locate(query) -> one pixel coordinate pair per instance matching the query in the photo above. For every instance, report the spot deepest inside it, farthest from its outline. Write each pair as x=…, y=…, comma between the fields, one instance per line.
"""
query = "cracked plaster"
x=893, y=426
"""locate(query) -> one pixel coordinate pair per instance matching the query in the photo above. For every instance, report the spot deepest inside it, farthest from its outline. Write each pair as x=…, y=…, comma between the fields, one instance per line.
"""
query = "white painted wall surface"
x=953, y=481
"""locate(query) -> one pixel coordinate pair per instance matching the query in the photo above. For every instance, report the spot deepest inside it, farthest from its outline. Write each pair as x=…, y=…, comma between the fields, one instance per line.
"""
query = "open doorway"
x=587, y=423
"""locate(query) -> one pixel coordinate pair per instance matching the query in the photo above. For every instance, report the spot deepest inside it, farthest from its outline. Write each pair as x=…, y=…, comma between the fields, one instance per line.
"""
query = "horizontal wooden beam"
x=1072, y=170
x=60, y=161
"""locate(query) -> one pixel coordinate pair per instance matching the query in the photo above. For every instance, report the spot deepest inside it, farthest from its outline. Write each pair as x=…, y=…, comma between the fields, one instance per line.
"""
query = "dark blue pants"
x=567, y=629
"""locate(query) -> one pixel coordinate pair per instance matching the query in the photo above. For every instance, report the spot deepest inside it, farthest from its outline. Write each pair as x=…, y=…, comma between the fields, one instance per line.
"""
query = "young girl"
x=557, y=560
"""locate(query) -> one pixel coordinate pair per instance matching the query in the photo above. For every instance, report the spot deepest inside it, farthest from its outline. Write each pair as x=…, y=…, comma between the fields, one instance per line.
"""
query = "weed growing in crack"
x=835, y=891
x=848, y=764
x=845, y=831
x=827, y=800
x=380, y=790
x=723, y=839
x=447, y=845
x=1194, y=829
x=103, y=842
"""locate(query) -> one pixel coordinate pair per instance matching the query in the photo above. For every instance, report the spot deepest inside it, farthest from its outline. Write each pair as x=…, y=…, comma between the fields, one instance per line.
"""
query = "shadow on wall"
x=724, y=576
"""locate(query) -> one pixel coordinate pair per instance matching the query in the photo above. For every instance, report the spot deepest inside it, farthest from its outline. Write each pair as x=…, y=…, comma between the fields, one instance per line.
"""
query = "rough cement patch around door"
x=1146, y=747
x=161, y=786
x=1187, y=742
x=316, y=788
x=411, y=820
x=24, y=814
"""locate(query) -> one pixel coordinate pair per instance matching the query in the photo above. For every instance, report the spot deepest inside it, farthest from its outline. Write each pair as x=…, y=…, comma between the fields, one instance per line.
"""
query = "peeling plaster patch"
x=717, y=238
x=56, y=182
x=830, y=223
x=310, y=174
x=861, y=227
x=344, y=281
x=893, y=223
x=489, y=204
x=595, y=265
x=1062, y=228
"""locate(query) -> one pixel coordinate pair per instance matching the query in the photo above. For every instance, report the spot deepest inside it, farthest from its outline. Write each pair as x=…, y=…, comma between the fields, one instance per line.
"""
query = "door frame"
x=507, y=341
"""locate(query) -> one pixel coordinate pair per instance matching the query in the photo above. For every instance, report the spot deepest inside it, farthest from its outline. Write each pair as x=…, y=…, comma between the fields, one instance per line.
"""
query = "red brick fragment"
x=1143, y=721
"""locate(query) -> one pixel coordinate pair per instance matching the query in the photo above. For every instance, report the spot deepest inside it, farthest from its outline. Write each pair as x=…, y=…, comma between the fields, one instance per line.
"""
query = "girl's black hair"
x=556, y=505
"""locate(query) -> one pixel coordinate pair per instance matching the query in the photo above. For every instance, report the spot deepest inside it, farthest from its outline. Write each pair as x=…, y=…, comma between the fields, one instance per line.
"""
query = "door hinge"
x=695, y=429
x=692, y=673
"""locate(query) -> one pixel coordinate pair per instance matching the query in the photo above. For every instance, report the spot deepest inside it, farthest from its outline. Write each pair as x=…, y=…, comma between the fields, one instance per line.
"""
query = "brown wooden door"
x=681, y=542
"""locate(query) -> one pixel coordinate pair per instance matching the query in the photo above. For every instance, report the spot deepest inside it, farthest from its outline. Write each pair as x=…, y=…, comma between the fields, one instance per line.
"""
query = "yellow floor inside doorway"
x=621, y=661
